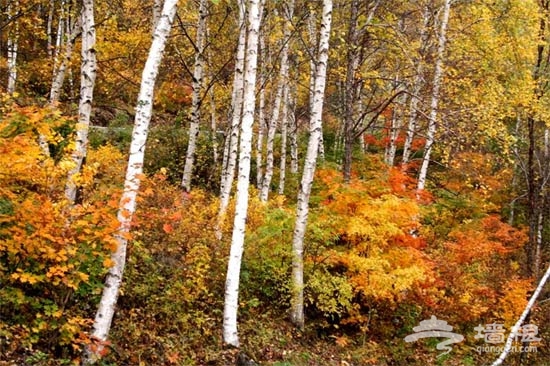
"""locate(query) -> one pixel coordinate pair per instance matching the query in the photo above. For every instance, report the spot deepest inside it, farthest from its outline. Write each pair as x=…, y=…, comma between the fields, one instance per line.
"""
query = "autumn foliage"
x=52, y=254
x=376, y=254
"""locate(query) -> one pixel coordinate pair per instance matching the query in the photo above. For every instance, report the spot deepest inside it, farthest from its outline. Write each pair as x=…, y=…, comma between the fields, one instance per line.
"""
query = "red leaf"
x=167, y=228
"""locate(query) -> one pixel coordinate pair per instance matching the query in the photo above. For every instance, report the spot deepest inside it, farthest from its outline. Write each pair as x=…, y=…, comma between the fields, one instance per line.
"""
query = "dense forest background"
x=334, y=172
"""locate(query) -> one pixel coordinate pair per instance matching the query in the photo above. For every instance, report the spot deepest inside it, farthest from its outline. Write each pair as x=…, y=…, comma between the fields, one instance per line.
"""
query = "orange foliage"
x=51, y=252
x=473, y=265
x=514, y=300
x=481, y=244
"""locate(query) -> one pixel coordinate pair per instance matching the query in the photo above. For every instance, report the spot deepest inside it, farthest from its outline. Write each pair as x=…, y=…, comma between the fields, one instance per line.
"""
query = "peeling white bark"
x=88, y=72
x=262, y=120
x=157, y=10
x=231, y=304
x=232, y=142
x=127, y=206
x=284, y=133
x=302, y=207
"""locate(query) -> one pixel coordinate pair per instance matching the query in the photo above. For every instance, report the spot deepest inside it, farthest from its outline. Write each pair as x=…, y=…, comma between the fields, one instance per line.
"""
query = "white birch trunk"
x=438, y=73
x=196, y=99
x=261, y=136
x=284, y=132
x=312, y=32
x=49, y=27
x=225, y=157
x=60, y=69
x=214, y=128
x=417, y=87
x=395, y=128
x=228, y=171
x=56, y=49
x=262, y=116
x=13, y=45
x=231, y=304
x=127, y=206
x=312, y=35
x=360, y=110
x=87, y=82
x=321, y=146
x=302, y=207
x=515, y=329
x=157, y=10
x=538, y=248
x=391, y=148
x=293, y=126
x=274, y=120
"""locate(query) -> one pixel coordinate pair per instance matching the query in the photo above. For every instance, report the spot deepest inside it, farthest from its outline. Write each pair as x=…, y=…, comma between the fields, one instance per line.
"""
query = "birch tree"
x=232, y=141
x=157, y=10
x=64, y=42
x=88, y=72
x=262, y=119
x=230, y=335
x=353, y=85
x=515, y=329
x=127, y=205
x=302, y=207
x=196, y=98
x=293, y=126
x=284, y=134
x=396, y=122
x=438, y=73
x=49, y=27
x=274, y=120
x=418, y=82
x=13, y=44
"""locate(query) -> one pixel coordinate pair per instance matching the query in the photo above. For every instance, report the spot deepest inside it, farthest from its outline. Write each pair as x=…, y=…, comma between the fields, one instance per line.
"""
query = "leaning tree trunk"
x=67, y=42
x=515, y=329
x=274, y=120
x=157, y=11
x=232, y=142
x=231, y=304
x=127, y=206
x=438, y=73
x=196, y=99
x=88, y=72
x=302, y=207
